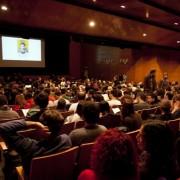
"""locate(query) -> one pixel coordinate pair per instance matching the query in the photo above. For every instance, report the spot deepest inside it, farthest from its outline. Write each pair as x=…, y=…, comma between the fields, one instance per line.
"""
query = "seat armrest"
x=3, y=146
x=20, y=172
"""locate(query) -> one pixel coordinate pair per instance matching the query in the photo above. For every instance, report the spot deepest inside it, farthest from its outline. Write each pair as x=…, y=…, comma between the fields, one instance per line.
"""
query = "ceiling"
x=155, y=22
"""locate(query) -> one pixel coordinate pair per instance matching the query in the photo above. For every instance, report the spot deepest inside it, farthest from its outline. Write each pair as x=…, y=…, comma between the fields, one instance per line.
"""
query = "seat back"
x=148, y=113
x=67, y=128
x=84, y=155
x=34, y=134
x=56, y=166
x=79, y=124
x=174, y=125
x=65, y=114
x=110, y=120
x=133, y=135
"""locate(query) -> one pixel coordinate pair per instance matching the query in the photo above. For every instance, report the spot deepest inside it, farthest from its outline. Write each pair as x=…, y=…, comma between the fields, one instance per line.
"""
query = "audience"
x=155, y=140
x=176, y=106
x=166, y=114
x=113, y=95
x=92, y=129
x=29, y=148
x=113, y=158
x=41, y=101
x=140, y=102
x=131, y=119
x=5, y=112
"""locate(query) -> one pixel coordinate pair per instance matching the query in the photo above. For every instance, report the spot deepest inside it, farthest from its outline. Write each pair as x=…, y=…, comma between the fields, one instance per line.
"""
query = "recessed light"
x=92, y=24
x=176, y=23
x=147, y=14
x=123, y=6
x=94, y=0
x=4, y=8
x=178, y=42
x=144, y=34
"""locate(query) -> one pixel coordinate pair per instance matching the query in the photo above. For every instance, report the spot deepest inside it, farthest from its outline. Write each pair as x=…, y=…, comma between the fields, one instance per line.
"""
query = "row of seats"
x=69, y=163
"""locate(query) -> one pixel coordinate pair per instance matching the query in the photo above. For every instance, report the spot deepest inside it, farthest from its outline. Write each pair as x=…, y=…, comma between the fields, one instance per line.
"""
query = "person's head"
x=165, y=75
x=165, y=106
x=3, y=100
x=127, y=106
x=152, y=73
x=151, y=98
x=114, y=93
x=91, y=112
x=156, y=138
x=176, y=101
x=169, y=95
x=141, y=96
x=61, y=104
x=97, y=97
x=104, y=107
x=53, y=119
x=42, y=100
x=81, y=96
x=114, y=156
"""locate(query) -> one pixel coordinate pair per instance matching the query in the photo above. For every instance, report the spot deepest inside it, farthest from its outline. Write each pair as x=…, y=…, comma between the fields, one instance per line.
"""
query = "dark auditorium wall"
x=105, y=62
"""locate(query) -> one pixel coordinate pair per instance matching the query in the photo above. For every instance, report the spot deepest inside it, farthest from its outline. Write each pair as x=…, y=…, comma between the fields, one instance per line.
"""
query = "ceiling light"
x=94, y=0
x=178, y=42
x=92, y=24
x=144, y=34
x=4, y=8
x=123, y=7
x=176, y=23
x=147, y=14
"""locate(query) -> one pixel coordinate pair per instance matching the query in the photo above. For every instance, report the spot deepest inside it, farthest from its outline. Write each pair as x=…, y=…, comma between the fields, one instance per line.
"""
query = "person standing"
x=164, y=83
x=150, y=84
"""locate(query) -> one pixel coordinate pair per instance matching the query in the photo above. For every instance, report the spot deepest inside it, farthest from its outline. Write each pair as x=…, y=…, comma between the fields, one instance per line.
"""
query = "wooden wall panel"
x=104, y=62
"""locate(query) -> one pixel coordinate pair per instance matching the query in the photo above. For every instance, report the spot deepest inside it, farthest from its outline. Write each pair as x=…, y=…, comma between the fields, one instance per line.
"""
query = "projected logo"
x=22, y=46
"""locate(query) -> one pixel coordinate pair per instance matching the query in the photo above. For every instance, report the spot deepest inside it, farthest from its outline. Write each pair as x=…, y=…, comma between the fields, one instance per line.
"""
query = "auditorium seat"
x=133, y=135
x=65, y=114
x=67, y=128
x=148, y=113
x=33, y=133
x=79, y=124
x=174, y=125
x=52, y=167
x=110, y=120
x=84, y=154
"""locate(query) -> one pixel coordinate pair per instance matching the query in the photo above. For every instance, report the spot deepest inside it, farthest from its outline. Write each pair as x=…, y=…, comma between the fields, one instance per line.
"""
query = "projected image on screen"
x=21, y=49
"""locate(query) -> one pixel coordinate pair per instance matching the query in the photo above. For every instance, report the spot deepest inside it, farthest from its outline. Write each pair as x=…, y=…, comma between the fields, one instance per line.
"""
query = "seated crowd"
x=48, y=104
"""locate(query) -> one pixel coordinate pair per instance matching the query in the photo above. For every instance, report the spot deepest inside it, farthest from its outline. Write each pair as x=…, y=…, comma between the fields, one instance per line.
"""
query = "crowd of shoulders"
x=48, y=100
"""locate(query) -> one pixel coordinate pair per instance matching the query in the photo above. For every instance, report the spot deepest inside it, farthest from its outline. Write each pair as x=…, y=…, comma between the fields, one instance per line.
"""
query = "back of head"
x=127, y=106
x=176, y=98
x=61, y=104
x=165, y=106
x=81, y=96
x=158, y=138
x=114, y=156
x=42, y=99
x=91, y=112
x=115, y=93
x=142, y=95
x=3, y=100
x=104, y=106
x=79, y=109
x=53, y=119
